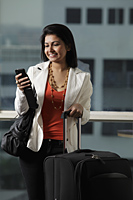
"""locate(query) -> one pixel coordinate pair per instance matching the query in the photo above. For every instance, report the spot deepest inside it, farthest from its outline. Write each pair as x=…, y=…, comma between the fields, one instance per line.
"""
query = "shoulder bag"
x=15, y=140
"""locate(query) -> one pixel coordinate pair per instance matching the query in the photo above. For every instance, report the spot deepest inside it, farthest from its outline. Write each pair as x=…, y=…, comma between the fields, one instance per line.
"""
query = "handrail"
x=111, y=116
x=95, y=116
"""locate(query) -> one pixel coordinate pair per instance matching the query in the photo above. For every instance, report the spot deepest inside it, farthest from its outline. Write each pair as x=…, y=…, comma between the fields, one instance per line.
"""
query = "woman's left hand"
x=76, y=110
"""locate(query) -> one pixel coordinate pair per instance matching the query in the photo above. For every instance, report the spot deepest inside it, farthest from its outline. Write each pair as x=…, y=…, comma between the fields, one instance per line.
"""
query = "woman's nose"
x=51, y=48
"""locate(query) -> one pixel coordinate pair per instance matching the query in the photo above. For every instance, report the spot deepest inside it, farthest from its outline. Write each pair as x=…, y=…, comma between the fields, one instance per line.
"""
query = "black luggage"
x=87, y=175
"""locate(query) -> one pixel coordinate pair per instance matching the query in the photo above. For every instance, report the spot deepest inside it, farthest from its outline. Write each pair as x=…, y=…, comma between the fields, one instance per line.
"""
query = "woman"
x=60, y=86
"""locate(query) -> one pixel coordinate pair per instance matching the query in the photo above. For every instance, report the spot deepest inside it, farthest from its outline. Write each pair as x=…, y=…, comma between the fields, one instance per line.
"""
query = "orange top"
x=52, y=122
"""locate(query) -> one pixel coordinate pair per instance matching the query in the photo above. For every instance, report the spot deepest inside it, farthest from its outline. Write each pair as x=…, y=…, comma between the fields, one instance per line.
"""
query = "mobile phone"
x=24, y=74
x=21, y=71
x=30, y=96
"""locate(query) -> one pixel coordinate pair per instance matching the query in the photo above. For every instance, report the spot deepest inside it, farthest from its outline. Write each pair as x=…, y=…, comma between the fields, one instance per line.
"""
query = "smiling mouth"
x=53, y=55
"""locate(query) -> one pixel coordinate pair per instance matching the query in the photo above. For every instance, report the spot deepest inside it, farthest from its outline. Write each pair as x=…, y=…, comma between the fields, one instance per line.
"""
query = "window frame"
x=77, y=15
x=97, y=21
x=117, y=14
x=131, y=16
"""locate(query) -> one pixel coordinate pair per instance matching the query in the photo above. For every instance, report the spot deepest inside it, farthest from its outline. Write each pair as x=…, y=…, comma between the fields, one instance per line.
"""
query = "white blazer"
x=79, y=90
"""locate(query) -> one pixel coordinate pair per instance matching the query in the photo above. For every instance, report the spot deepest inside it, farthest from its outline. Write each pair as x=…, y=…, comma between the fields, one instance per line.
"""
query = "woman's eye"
x=56, y=44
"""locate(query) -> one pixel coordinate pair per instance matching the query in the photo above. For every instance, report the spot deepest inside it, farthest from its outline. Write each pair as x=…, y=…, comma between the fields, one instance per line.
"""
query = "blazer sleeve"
x=20, y=103
x=85, y=98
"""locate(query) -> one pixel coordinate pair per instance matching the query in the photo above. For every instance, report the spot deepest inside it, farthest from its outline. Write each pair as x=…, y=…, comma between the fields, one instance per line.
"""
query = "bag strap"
x=31, y=97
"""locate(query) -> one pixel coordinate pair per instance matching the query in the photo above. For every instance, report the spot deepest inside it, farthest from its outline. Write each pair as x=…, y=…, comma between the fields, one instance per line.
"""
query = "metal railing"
x=95, y=116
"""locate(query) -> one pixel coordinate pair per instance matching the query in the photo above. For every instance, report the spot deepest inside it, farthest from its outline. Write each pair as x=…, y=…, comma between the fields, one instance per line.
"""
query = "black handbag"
x=15, y=140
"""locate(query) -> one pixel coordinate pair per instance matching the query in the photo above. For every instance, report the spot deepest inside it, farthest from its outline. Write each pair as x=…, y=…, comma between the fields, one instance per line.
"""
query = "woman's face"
x=55, y=49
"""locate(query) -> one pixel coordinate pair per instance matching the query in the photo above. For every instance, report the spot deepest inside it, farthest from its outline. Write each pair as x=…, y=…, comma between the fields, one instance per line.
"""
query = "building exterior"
x=103, y=32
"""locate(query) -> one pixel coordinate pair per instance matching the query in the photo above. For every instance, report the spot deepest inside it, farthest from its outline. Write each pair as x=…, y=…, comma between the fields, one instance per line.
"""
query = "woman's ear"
x=68, y=47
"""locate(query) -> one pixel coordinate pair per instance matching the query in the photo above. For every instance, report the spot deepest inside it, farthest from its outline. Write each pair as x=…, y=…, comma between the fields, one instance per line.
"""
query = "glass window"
x=117, y=83
x=94, y=15
x=118, y=73
x=9, y=77
x=117, y=129
x=115, y=16
x=131, y=16
x=73, y=15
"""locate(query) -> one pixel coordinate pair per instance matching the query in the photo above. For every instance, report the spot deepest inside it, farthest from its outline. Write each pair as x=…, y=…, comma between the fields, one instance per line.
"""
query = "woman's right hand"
x=22, y=82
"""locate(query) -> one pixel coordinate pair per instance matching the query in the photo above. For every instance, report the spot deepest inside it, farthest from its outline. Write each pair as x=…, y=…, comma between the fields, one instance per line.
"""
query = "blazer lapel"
x=75, y=81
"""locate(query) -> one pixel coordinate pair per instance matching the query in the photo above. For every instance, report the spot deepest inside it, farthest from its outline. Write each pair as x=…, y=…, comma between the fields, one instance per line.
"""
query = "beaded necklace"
x=54, y=85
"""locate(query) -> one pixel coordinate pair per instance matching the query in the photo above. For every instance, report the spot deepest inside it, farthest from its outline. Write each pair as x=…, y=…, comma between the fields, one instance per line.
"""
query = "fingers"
x=17, y=77
x=75, y=113
x=22, y=82
x=76, y=110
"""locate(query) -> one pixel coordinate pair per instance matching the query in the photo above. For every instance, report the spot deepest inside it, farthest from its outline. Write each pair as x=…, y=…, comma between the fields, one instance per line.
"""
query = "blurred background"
x=103, y=32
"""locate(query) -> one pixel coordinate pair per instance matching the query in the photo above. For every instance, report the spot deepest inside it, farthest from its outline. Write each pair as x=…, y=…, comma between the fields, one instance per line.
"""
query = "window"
x=113, y=76
x=114, y=129
x=118, y=73
x=7, y=103
x=73, y=15
x=7, y=79
x=131, y=16
x=117, y=85
x=129, y=77
x=115, y=16
x=94, y=16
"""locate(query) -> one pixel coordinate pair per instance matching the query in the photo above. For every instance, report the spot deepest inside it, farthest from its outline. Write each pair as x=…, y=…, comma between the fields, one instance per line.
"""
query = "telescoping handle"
x=64, y=117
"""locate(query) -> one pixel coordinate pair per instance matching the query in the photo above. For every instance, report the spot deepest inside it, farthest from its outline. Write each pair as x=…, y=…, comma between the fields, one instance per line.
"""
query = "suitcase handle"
x=65, y=114
x=64, y=117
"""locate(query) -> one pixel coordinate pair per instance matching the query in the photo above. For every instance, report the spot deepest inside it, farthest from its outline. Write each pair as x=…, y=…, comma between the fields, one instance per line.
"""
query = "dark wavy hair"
x=66, y=36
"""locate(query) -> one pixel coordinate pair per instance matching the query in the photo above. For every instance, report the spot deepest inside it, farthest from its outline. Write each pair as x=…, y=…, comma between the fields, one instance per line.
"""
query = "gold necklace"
x=53, y=82
x=54, y=85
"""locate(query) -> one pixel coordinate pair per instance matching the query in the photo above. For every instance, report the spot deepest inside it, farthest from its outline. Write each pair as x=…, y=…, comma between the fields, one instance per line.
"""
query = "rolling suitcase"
x=87, y=175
